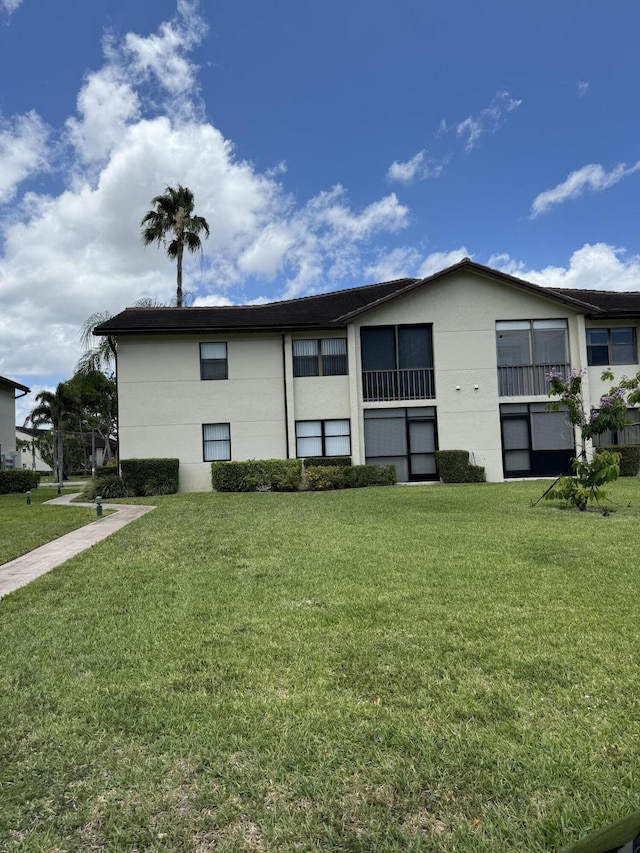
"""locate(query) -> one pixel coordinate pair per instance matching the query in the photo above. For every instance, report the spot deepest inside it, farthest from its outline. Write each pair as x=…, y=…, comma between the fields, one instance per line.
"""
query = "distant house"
x=10, y=391
x=27, y=444
x=387, y=373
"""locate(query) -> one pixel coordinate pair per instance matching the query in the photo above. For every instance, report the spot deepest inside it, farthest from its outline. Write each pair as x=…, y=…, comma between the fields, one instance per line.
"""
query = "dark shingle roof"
x=13, y=384
x=336, y=309
x=614, y=303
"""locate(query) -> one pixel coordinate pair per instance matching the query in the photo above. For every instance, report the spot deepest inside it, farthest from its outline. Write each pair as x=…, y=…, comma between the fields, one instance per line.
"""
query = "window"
x=535, y=441
x=397, y=363
x=529, y=342
x=405, y=438
x=216, y=442
x=629, y=434
x=323, y=438
x=324, y=357
x=612, y=346
x=213, y=361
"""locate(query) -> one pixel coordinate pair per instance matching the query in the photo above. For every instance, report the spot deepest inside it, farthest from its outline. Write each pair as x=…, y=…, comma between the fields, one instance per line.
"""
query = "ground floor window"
x=535, y=441
x=404, y=437
x=216, y=442
x=323, y=438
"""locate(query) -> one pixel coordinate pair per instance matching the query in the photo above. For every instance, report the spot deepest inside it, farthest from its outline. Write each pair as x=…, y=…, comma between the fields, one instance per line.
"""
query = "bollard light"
x=28, y=498
x=59, y=489
x=99, y=505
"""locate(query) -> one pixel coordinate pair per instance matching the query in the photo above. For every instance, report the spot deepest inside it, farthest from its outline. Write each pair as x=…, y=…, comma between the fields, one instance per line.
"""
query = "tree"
x=54, y=407
x=610, y=415
x=97, y=406
x=174, y=225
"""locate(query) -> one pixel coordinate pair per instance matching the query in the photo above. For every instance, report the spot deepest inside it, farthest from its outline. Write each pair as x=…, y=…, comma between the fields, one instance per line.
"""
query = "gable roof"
x=334, y=309
x=613, y=303
x=15, y=385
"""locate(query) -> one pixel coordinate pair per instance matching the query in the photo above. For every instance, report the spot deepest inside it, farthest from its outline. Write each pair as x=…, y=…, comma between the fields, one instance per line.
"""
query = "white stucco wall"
x=7, y=418
x=463, y=309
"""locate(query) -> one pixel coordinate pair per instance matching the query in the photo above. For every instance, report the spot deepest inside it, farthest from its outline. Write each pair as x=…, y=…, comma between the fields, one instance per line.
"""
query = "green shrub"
x=333, y=461
x=323, y=478
x=142, y=476
x=278, y=475
x=629, y=458
x=110, y=470
x=106, y=487
x=18, y=480
x=453, y=467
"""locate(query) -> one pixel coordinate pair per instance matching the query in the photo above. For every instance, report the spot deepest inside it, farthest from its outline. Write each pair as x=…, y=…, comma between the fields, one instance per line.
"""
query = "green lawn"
x=409, y=669
x=23, y=528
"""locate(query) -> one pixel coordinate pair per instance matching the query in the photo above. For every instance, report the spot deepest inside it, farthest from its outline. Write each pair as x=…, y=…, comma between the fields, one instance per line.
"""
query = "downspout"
x=284, y=388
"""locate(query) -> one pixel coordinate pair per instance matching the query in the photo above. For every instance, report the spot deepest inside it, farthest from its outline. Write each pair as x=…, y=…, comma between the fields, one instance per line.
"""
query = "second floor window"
x=324, y=357
x=532, y=342
x=213, y=361
x=612, y=346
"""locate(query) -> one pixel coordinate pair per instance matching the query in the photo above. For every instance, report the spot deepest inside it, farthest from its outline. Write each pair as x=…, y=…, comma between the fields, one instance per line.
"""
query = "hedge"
x=150, y=476
x=629, y=458
x=107, y=487
x=322, y=478
x=110, y=470
x=16, y=480
x=453, y=467
x=278, y=475
x=316, y=461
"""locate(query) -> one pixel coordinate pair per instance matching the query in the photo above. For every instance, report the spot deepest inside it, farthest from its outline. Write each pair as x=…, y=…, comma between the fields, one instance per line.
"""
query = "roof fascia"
x=208, y=330
x=15, y=385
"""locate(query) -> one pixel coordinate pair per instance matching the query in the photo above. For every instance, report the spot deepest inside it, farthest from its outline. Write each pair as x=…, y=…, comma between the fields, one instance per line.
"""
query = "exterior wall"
x=163, y=403
x=28, y=459
x=463, y=309
x=7, y=419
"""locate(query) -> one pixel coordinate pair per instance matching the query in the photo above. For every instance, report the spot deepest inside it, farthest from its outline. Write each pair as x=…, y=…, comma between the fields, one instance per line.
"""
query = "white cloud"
x=437, y=261
x=596, y=266
x=418, y=167
x=211, y=299
x=9, y=6
x=487, y=120
x=582, y=89
x=591, y=178
x=63, y=257
x=398, y=263
x=23, y=149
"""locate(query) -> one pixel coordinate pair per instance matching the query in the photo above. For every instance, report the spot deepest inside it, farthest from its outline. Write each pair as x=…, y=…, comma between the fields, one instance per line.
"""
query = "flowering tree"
x=609, y=415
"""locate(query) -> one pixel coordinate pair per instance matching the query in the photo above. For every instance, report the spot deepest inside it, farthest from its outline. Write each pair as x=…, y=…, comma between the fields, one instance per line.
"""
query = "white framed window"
x=322, y=357
x=323, y=438
x=213, y=361
x=216, y=442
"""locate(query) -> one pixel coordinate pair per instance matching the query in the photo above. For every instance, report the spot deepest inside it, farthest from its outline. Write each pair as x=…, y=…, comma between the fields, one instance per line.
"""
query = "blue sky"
x=329, y=144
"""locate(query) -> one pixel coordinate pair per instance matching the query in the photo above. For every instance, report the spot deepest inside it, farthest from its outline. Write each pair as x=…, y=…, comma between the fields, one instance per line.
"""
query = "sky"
x=328, y=144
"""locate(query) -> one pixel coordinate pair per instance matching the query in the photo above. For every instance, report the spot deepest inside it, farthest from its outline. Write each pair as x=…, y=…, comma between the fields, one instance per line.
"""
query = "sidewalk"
x=23, y=570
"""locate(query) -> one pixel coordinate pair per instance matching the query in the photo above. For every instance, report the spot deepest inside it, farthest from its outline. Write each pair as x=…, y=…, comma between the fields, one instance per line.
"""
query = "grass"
x=24, y=528
x=409, y=669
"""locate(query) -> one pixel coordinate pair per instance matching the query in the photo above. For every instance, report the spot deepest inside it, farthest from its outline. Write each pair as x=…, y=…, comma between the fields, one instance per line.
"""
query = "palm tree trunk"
x=60, y=454
x=179, y=282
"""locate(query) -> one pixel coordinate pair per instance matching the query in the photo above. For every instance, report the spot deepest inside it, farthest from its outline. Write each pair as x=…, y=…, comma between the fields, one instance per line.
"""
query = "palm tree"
x=174, y=225
x=53, y=408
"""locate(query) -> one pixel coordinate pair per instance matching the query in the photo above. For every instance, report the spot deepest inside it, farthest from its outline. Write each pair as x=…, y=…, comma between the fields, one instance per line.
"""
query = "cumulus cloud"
x=418, y=167
x=487, y=120
x=23, y=150
x=591, y=178
x=596, y=266
x=402, y=262
x=65, y=256
x=437, y=261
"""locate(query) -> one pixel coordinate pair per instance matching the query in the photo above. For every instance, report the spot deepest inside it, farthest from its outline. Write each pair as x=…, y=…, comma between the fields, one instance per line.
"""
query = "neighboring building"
x=386, y=373
x=30, y=458
x=8, y=396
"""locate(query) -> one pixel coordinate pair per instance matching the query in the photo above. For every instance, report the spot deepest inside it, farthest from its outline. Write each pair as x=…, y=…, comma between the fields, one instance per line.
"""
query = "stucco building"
x=386, y=373
x=9, y=392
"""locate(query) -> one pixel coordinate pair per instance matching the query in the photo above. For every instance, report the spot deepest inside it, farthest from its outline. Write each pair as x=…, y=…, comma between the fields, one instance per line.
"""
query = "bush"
x=629, y=458
x=322, y=478
x=110, y=470
x=332, y=461
x=143, y=476
x=453, y=467
x=278, y=475
x=107, y=488
x=17, y=480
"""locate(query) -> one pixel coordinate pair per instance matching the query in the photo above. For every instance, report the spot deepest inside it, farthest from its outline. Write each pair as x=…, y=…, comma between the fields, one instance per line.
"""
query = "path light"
x=28, y=498
x=99, y=505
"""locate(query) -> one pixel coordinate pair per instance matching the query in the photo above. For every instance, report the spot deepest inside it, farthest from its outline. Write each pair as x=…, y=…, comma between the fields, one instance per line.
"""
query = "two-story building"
x=387, y=373
x=10, y=391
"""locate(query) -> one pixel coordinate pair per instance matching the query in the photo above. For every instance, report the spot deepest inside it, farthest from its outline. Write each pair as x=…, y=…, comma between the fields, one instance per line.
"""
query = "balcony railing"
x=526, y=380
x=382, y=385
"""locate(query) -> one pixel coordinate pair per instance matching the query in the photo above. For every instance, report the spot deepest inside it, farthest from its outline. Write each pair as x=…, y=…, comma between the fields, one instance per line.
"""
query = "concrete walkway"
x=23, y=570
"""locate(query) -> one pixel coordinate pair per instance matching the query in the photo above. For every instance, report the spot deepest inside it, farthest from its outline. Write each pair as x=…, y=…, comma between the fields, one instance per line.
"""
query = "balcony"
x=380, y=386
x=526, y=380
